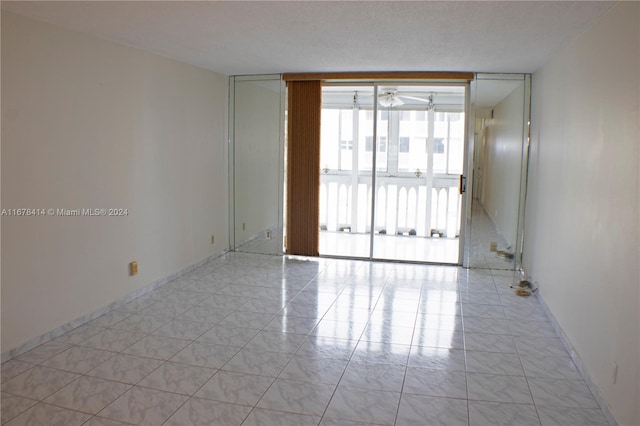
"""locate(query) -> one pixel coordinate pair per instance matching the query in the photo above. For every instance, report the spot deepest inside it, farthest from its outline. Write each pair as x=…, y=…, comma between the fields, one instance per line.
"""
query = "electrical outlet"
x=268, y=235
x=244, y=226
x=493, y=246
x=614, y=373
x=133, y=268
x=213, y=239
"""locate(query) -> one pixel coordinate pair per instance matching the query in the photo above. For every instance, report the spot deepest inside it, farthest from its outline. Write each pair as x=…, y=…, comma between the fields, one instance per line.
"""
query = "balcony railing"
x=404, y=204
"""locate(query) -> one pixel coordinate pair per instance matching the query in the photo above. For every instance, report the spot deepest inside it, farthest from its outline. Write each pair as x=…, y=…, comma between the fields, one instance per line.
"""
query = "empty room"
x=320, y=213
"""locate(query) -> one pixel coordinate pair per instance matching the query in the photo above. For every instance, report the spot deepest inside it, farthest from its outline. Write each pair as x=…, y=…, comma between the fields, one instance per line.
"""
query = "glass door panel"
x=412, y=137
x=346, y=163
x=418, y=206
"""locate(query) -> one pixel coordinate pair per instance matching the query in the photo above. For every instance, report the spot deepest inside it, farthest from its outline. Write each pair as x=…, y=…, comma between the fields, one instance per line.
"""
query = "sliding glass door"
x=391, y=165
x=346, y=170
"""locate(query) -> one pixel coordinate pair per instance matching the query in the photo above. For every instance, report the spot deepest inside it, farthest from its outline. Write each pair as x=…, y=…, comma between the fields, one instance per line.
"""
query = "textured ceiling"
x=240, y=37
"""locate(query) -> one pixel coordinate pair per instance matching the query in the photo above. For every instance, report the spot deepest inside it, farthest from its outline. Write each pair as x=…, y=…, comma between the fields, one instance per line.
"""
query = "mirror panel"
x=256, y=105
x=500, y=148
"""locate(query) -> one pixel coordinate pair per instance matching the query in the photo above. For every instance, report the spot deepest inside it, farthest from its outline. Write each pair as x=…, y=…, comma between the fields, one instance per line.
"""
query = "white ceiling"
x=235, y=38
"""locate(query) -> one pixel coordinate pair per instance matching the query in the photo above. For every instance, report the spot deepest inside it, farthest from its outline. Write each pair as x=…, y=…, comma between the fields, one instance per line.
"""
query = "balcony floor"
x=405, y=248
x=390, y=247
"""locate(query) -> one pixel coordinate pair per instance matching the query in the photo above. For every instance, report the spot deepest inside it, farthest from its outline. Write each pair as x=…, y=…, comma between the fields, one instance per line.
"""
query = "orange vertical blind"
x=303, y=166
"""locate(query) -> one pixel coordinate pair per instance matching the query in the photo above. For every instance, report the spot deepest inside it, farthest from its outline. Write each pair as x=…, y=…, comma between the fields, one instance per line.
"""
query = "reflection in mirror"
x=499, y=170
x=256, y=163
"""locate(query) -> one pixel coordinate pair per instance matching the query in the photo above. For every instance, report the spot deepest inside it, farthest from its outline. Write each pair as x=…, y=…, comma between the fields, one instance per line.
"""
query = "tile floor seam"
x=57, y=406
x=533, y=401
x=336, y=387
x=84, y=412
x=406, y=367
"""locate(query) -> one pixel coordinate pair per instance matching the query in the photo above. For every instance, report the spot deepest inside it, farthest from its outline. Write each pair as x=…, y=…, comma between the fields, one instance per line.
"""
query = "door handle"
x=463, y=184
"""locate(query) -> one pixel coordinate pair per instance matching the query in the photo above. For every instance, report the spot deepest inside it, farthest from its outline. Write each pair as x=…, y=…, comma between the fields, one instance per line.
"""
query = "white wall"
x=582, y=218
x=91, y=124
x=502, y=164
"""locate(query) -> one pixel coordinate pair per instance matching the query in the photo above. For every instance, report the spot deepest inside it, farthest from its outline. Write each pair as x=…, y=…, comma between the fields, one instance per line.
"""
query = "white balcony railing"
x=403, y=204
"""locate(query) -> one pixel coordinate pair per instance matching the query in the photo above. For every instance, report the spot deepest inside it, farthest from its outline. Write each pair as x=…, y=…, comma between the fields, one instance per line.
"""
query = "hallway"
x=261, y=340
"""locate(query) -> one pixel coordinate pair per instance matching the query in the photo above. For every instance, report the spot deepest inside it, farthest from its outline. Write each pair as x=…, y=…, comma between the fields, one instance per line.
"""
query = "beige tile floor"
x=254, y=339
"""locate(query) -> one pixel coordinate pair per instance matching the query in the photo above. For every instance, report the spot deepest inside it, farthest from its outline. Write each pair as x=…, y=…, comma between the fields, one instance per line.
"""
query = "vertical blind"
x=303, y=166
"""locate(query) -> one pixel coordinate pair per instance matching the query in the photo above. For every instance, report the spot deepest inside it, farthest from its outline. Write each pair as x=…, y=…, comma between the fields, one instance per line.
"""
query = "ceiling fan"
x=391, y=98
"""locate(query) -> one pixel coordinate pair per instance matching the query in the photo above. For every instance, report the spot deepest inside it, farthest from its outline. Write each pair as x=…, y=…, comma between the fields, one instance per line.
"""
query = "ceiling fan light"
x=390, y=100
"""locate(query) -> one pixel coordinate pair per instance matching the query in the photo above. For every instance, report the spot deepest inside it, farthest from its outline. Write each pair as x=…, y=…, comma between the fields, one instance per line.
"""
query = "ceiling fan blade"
x=426, y=101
